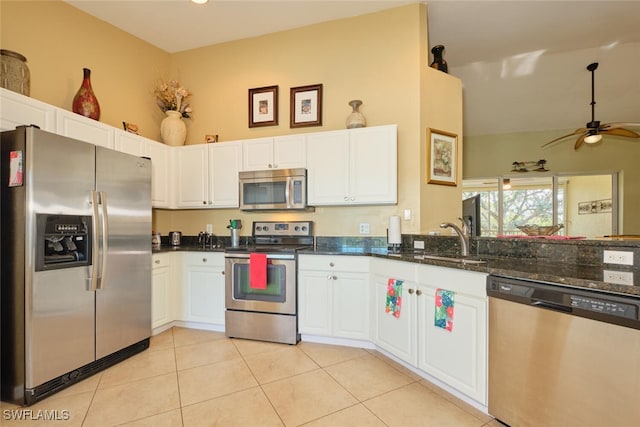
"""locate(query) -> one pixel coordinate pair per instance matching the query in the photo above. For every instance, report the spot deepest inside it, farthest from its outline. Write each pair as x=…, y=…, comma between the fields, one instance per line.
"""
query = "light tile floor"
x=191, y=377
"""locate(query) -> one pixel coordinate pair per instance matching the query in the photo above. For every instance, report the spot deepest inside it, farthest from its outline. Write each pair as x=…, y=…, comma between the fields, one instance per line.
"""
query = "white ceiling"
x=474, y=33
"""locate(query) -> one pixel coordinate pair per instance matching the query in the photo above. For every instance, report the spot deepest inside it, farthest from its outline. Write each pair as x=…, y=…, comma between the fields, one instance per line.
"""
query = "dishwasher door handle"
x=551, y=306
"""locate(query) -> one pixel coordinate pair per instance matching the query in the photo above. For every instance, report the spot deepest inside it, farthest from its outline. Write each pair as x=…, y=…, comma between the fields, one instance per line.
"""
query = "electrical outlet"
x=618, y=257
x=418, y=244
x=365, y=228
x=618, y=277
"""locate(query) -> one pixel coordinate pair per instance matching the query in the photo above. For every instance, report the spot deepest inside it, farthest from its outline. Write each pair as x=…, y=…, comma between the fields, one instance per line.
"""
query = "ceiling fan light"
x=592, y=139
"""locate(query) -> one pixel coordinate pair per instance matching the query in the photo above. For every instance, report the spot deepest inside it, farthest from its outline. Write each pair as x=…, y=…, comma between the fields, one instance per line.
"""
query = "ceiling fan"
x=593, y=131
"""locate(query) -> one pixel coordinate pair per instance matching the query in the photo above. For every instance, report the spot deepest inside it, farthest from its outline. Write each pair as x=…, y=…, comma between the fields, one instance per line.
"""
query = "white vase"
x=173, y=129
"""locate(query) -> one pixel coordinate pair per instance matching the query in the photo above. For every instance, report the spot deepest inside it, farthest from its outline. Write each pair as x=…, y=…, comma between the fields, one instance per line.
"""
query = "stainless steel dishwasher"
x=561, y=356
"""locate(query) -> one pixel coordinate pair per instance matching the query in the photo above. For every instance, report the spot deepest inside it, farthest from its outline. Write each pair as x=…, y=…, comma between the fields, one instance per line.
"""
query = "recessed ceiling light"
x=199, y=1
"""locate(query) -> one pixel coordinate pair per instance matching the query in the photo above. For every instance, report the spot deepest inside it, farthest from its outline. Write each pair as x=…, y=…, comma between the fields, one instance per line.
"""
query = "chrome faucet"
x=463, y=234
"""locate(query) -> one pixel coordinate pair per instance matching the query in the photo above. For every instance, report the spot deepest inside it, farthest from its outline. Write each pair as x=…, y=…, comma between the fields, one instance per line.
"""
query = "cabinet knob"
x=157, y=261
x=204, y=202
x=331, y=264
x=270, y=165
x=418, y=292
x=210, y=202
x=222, y=272
x=204, y=260
x=346, y=199
x=410, y=291
x=353, y=199
x=334, y=277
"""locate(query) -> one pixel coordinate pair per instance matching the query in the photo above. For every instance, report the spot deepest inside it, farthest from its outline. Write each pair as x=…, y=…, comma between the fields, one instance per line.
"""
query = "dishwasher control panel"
x=606, y=307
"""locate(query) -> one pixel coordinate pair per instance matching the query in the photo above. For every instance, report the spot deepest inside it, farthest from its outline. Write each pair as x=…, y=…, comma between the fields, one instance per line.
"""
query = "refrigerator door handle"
x=105, y=239
x=95, y=248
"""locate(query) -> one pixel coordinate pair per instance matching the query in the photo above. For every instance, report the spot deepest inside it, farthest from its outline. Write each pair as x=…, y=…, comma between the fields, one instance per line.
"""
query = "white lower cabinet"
x=398, y=335
x=203, y=287
x=458, y=357
x=163, y=290
x=333, y=296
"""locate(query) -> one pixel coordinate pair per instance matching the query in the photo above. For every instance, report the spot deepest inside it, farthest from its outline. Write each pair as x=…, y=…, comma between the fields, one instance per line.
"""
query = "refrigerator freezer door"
x=123, y=298
x=59, y=309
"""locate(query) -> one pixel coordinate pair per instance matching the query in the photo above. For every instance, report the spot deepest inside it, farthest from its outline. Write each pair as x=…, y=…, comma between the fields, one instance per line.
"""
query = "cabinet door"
x=88, y=130
x=289, y=152
x=130, y=143
x=192, y=181
x=351, y=305
x=398, y=335
x=257, y=154
x=457, y=357
x=203, y=283
x=314, y=303
x=160, y=173
x=373, y=165
x=18, y=110
x=161, y=295
x=224, y=165
x=328, y=168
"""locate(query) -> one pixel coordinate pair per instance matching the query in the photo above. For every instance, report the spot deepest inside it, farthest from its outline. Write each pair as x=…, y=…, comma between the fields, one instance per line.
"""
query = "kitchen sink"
x=460, y=260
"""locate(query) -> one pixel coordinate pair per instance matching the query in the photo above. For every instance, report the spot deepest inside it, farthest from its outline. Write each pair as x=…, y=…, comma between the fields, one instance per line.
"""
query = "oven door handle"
x=285, y=256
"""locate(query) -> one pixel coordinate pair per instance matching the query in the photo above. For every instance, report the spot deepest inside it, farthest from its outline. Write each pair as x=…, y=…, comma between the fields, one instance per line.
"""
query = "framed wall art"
x=306, y=106
x=442, y=157
x=263, y=106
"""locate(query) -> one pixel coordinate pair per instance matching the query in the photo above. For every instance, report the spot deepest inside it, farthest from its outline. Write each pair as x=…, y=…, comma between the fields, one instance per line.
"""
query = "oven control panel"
x=286, y=228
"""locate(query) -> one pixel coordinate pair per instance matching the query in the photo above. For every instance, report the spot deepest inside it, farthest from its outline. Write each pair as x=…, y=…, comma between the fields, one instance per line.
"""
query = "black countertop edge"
x=571, y=275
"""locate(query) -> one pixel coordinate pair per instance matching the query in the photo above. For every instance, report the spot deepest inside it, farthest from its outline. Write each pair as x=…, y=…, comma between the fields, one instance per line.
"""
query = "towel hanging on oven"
x=258, y=271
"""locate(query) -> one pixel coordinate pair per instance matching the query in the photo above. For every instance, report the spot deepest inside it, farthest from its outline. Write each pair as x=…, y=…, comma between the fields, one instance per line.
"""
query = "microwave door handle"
x=289, y=191
x=95, y=236
x=105, y=239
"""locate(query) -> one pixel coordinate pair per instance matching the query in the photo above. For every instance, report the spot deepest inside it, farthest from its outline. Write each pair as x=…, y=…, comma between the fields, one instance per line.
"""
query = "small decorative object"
x=528, y=166
x=171, y=97
x=210, y=138
x=595, y=207
x=355, y=119
x=263, y=106
x=172, y=129
x=85, y=102
x=539, y=230
x=130, y=127
x=438, y=61
x=306, y=106
x=442, y=154
x=14, y=73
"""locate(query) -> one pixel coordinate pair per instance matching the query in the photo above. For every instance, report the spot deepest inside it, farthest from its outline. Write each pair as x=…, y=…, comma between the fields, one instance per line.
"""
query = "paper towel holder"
x=394, y=236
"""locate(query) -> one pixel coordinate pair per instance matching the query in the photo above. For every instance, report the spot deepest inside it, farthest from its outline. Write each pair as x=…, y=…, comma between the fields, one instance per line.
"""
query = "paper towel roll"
x=394, y=234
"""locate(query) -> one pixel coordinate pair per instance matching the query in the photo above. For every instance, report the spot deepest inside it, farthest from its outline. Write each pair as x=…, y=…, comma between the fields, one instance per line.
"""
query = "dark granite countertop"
x=560, y=273
x=572, y=264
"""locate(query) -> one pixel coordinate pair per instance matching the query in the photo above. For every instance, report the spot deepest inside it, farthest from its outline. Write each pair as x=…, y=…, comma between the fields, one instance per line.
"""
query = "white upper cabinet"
x=224, y=165
x=353, y=167
x=192, y=179
x=207, y=175
x=84, y=129
x=127, y=142
x=281, y=152
x=17, y=110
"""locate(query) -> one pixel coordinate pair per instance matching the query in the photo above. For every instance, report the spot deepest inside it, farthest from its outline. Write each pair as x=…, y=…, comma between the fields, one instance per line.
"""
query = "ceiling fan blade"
x=579, y=142
x=608, y=126
x=576, y=132
x=621, y=132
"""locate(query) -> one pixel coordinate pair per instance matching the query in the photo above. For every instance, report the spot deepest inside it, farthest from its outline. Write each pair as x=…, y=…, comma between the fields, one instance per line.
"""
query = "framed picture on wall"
x=263, y=106
x=306, y=106
x=442, y=157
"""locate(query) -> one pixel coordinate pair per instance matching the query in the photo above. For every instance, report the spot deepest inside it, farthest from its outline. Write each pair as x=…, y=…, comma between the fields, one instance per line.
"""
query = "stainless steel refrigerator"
x=76, y=261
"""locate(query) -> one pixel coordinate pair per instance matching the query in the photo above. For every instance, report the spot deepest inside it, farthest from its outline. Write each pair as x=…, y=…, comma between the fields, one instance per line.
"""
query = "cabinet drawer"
x=203, y=258
x=334, y=263
x=160, y=260
x=462, y=281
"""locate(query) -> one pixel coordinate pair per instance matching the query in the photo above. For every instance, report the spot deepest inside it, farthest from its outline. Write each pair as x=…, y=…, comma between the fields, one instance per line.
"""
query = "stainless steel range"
x=261, y=282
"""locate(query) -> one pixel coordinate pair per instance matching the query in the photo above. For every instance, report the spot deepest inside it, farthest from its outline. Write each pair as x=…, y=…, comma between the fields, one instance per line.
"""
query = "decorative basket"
x=540, y=230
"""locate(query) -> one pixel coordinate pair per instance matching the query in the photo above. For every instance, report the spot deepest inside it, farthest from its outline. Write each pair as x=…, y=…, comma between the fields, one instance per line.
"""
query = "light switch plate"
x=365, y=228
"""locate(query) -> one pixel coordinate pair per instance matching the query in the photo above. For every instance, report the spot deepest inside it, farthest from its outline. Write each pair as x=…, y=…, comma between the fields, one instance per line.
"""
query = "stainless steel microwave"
x=278, y=189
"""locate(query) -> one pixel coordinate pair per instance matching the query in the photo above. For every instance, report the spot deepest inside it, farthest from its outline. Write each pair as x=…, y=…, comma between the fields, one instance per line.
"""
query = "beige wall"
x=59, y=41
x=581, y=189
x=381, y=58
x=492, y=155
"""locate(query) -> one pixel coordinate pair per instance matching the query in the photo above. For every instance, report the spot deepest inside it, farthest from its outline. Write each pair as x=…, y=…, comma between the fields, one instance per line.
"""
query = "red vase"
x=85, y=102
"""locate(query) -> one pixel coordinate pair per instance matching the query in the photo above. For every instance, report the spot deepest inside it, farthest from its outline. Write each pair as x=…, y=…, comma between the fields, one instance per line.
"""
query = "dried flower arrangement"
x=171, y=96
